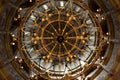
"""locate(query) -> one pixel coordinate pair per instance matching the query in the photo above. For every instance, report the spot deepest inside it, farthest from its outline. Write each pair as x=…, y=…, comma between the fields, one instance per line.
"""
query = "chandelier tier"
x=59, y=38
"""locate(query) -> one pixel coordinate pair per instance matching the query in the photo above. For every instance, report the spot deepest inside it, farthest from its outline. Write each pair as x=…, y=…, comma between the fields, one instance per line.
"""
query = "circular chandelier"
x=58, y=39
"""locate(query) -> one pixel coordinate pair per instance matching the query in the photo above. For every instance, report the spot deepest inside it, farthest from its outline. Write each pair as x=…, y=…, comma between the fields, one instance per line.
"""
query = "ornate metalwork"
x=59, y=39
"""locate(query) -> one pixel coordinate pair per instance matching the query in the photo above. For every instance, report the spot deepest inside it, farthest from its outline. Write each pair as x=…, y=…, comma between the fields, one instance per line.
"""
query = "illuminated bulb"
x=67, y=59
x=98, y=60
x=45, y=7
x=52, y=33
x=108, y=33
x=108, y=42
x=103, y=18
x=83, y=33
x=67, y=14
x=83, y=41
x=98, y=66
x=19, y=16
x=16, y=57
x=74, y=18
x=51, y=60
x=35, y=42
x=82, y=50
x=47, y=18
x=75, y=56
x=93, y=60
x=13, y=43
x=70, y=56
x=66, y=41
x=81, y=37
x=20, y=61
x=44, y=57
x=105, y=38
x=32, y=76
x=21, y=67
x=102, y=58
x=61, y=3
x=32, y=17
x=15, y=19
x=20, y=9
x=30, y=0
x=78, y=9
x=48, y=56
x=32, y=39
x=82, y=63
x=98, y=10
x=37, y=38
x=13, y=35
x=63, y=43
x=14, y=39
x=36, y=78
x=97, y=15
x=50, y=15
x=35, y=34
x=43, y=19
x=89, y=21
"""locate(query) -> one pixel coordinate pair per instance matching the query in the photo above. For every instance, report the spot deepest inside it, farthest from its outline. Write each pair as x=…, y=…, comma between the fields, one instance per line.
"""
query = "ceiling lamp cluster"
x=58, y=39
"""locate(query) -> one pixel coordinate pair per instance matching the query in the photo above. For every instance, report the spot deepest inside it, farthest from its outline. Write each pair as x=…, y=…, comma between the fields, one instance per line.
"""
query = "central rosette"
x=58, y=38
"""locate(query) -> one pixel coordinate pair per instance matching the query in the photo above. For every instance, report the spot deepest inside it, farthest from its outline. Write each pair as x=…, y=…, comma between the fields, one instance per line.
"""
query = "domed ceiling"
x=59, y=40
